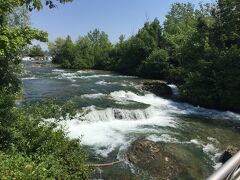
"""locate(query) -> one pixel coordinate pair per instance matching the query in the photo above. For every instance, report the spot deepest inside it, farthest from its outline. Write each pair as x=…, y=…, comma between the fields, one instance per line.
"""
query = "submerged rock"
x=168, y=160
x=157, y=87
x=228, y=153
x=152, y=157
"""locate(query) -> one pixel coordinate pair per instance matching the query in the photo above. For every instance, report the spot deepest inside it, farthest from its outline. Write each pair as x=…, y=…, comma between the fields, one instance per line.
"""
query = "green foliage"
x=180, y=25
x=197, y=48
x=15, y=34
x=36, y=51
x=31, y=147
x=156, y=65
x=37, y=148
x=101, y=48
x=226, y=29
x=212, y=77
x=38, y=4
x=91, y=51
x=131, y=53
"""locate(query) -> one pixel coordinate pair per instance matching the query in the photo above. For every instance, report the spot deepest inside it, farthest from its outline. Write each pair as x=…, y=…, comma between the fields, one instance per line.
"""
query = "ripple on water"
x=106, y=130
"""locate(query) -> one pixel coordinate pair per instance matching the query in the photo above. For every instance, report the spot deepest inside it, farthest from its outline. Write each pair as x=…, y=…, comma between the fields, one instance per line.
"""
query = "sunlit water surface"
x=118, y=112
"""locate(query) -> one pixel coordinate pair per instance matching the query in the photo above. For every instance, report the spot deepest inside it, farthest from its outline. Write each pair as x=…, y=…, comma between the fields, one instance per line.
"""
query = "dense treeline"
x=91, y=51
x=196, y=48
x=30, y=147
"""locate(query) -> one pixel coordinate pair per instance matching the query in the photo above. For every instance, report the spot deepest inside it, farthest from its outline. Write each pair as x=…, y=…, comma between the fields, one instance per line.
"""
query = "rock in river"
x=228, y=153
x=157, y=87
x=152, y=157
x=161, y=160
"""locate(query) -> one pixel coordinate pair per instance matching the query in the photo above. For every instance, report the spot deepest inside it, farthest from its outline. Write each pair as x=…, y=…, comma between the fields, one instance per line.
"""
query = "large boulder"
x=157, y=87
x=151, y=157
x=228, y=153
x=160, y=160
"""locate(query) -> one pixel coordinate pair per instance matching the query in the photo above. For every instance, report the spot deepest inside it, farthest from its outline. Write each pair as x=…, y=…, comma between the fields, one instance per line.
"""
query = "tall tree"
x=102, y=46
x=212, y=79
x=15, y=34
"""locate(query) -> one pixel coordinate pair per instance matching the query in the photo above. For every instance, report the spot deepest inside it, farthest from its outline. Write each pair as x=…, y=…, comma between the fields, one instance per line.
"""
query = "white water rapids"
x=106, y=129
x=114, y=111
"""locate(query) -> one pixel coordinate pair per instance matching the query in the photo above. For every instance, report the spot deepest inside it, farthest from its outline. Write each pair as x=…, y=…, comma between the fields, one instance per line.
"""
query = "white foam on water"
x=213, y=153
x=163, y=138
x=72, y=76
x=125, y=76
x=213, y=140
x=68, y=76
x=107, y=129
x=102, y=83
x=85, y=71
x=95, y=76
x=217, y=166
x=119, y=114
x=58, y=70
x=29, y=78
x=174, y=89
x=195, y=141
x=173, y=107
x=210, y=150
x=93, y=96
x=75, y=85
x=123, y=84
x=146, y=99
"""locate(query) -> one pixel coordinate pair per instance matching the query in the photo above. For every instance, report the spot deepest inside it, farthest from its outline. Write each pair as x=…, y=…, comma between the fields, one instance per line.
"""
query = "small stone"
x=166, y=158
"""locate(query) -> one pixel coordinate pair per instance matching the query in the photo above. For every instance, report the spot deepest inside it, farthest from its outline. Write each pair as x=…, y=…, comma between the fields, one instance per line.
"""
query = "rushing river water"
x=117, y=112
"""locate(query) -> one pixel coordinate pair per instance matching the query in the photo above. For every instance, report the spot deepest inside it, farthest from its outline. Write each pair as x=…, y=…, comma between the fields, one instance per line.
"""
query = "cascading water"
x=116, y=112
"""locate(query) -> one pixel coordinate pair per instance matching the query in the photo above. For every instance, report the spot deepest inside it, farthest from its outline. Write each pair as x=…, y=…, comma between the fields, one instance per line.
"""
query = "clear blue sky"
x=115, y=17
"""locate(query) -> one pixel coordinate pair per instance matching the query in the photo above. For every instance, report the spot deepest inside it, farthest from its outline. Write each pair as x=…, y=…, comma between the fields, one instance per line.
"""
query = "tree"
x=91, y=51
x=226, y=30
x=101, y=46
x=156, y=65
x=63, y=52
x=55, y=49
x=197, y=48
x=29, y=146
x=85, y=53
x=212, y=78
x=131, y=53
x=36, y=51
x=179, y=27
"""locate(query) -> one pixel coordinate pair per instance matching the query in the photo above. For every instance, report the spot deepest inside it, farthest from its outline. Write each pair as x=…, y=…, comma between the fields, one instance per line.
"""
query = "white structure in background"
x=49, y=58
x=27, y=59
x=46, y=58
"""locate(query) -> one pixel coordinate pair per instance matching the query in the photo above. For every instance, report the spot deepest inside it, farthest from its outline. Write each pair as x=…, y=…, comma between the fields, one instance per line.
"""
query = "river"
x=117, y=112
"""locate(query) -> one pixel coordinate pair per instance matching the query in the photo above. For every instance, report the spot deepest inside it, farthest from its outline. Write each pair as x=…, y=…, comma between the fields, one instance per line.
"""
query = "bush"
x=40, y=149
